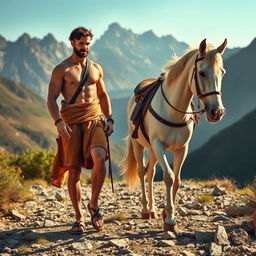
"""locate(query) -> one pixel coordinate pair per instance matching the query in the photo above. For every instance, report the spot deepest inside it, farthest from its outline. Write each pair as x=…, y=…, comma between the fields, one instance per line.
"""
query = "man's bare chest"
x=73, y=75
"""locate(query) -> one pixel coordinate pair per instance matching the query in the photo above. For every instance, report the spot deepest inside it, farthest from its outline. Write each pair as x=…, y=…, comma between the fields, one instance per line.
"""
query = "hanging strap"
x=110, y=167
x=83, y=79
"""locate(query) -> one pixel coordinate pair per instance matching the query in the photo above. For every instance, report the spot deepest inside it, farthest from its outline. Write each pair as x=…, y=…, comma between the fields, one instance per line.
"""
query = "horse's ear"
x=222, y=47
x=202, y=47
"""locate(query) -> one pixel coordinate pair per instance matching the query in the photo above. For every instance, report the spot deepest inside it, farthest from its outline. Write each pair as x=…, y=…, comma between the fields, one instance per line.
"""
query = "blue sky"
x=186, y=20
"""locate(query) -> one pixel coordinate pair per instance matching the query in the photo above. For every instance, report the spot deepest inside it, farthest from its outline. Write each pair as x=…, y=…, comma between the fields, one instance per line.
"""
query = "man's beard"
x=81, y=53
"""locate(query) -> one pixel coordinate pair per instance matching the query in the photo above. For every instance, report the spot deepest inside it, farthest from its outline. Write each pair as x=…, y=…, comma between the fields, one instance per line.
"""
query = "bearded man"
x=81, y=125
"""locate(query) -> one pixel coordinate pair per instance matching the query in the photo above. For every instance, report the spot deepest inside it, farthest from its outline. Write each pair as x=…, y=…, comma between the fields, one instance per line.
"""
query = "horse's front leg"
x=179, y=157
x=168, y=175
x=150, y=176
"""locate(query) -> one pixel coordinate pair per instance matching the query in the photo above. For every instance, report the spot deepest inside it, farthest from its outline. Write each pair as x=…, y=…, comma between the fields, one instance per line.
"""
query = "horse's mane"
x=177, y=64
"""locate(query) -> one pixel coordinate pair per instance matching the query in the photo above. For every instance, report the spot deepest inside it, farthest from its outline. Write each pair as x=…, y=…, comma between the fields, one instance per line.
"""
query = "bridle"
x=200, y=95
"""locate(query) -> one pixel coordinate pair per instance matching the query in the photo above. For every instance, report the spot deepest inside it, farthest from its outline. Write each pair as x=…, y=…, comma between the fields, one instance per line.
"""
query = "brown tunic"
x=87, y=125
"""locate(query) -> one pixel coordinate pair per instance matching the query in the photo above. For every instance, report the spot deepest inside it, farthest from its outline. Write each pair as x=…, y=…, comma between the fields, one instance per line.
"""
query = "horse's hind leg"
x=138, y=152
x=150, y=176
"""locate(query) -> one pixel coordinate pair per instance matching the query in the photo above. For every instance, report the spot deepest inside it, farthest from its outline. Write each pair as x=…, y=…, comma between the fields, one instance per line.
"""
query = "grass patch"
x=205, y=199
x=228, y=184
x=245, y=191
x=158, y=226
x=41, y=182
x=252, y=187
x=249, y=190
x=23, y=248
x=42, y=241
x=107, y=180
x=118, y=216
x=85, y=179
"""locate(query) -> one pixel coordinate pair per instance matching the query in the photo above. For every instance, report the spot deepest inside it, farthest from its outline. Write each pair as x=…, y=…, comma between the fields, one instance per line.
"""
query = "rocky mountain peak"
x=24, y=38
x=3, y=42
x=115, y=31
x=149, y=35
x=49, y=39
x=115, y=26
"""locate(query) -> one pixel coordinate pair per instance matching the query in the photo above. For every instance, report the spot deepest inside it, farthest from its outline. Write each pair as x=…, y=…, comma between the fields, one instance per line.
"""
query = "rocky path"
x=213, y=222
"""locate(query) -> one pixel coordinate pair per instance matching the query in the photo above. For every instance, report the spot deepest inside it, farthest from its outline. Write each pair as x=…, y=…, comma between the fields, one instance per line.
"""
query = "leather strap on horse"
x=110, y=167
x=84, y=76
x=198, y=91
x=168, y=123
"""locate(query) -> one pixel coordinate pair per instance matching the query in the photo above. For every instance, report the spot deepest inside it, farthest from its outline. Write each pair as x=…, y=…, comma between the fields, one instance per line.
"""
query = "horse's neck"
x=179, y=95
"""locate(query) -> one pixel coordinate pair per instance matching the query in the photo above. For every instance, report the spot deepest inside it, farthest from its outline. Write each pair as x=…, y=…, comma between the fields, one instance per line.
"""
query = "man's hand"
x=109, y=129
x=64, y=130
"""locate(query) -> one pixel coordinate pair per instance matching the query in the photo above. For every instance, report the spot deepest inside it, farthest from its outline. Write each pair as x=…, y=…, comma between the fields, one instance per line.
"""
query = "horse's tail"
x=129, y=167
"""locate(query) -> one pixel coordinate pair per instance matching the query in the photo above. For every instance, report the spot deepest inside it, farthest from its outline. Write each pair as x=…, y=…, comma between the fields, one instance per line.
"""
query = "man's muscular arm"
x=54, y=91
x=104, y=101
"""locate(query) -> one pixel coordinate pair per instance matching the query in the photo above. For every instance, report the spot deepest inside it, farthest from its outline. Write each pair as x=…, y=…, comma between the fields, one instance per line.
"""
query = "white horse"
x=167, y=123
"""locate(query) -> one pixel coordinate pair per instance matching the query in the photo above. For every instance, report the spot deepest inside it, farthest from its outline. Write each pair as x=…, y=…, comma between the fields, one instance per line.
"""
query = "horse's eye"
x=202, y=74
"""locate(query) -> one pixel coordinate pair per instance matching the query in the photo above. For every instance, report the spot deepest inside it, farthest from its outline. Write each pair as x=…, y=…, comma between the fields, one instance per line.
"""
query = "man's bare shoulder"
x=97, y=66
x=62, y=67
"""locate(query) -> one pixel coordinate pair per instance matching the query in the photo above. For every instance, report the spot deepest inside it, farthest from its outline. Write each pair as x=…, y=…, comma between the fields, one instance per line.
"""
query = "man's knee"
x=74, y=174
x=98, y=155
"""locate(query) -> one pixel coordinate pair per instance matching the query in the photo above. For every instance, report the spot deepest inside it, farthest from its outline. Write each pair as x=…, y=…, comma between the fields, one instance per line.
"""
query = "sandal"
x=95, y=215
x=77, y=228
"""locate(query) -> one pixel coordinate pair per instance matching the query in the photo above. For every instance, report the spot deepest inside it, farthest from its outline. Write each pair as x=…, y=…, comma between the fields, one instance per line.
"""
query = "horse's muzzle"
x=215, y=115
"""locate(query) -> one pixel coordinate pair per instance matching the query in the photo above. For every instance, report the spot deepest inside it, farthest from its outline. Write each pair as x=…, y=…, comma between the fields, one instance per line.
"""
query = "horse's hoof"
x=145, y=216
x=153, y=215
x=173, y=228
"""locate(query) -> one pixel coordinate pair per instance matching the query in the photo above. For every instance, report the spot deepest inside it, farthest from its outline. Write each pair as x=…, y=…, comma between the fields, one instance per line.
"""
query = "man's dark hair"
x=79, y=32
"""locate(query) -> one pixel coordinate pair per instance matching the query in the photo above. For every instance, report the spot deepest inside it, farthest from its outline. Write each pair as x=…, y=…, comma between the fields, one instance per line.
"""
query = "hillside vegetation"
x=24, y=119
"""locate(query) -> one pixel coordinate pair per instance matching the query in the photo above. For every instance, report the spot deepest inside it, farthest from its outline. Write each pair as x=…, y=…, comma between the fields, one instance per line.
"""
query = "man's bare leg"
x=97, y=178
x=75, y=193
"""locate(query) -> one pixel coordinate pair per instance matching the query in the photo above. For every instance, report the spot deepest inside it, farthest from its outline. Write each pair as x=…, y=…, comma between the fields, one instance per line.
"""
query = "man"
x=81, y=127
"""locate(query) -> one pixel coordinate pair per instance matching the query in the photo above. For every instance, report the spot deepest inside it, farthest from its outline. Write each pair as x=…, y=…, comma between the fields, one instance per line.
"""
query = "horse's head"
x=208, y=73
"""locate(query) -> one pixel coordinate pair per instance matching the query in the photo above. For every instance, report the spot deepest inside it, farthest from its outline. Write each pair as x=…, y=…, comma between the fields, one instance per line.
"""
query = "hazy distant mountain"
x=231, y=154
x=24, y=120
x=240, y=89
x=128, y=58
x=31, y=60
x=230, y=52
x=125, y=56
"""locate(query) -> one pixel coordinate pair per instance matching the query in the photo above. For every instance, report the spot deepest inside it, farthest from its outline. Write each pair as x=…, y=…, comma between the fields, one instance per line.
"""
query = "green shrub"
x=34, y=164
x=11, y=188
x=4, y=160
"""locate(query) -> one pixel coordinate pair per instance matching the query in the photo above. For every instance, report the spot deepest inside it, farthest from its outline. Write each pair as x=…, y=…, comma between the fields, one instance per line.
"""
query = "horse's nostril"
x=213, y=112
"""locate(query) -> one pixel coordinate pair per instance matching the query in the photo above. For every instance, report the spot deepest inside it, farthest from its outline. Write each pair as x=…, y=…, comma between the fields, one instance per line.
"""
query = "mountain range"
x=125, y=56
x=31, y=60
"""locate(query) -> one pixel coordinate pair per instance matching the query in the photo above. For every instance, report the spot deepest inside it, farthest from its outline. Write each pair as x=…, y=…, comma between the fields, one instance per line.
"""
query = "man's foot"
x=96, y=218
x=77, y=228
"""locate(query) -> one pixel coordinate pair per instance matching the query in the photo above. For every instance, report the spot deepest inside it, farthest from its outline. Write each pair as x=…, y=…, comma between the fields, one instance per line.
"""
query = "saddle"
x=144, y=93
